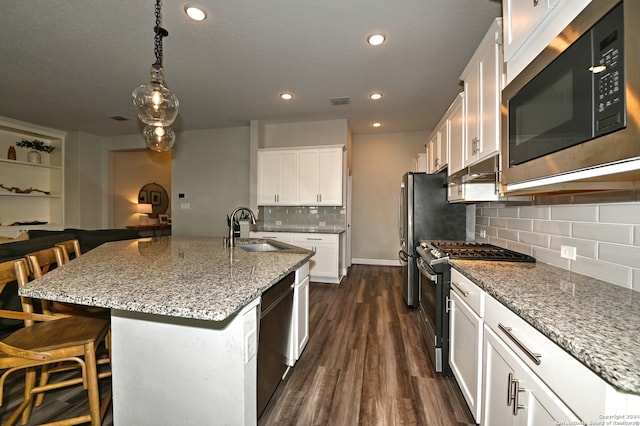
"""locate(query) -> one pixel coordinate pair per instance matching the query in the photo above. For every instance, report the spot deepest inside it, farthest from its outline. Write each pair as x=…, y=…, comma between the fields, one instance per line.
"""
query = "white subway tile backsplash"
x=602, y=232
x=584, y=213
x=623, y=255
x=535, y=213
x=604, y=271
x=508, y=212
x=551, y=227
x=520, y=224
x=520, y=248
x=606, y=235
x=508, y=234
x=551, y=257
x=534, y=239
x=620, y=213
x=584, y=248
x=498, y=222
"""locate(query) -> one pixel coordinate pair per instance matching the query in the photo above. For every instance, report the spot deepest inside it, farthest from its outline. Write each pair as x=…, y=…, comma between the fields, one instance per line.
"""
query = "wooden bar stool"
x=47, y=340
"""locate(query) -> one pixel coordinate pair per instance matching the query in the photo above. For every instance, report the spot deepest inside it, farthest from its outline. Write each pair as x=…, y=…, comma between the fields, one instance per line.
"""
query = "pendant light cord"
x=159, y=34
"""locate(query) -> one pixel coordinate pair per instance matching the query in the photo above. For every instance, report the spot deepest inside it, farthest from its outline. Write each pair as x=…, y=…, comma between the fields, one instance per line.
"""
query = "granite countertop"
x=190, y=277
x=596, y=322
x=300, y=229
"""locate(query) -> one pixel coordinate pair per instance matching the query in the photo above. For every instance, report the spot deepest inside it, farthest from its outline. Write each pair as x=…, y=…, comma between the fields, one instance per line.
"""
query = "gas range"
x=435, y=251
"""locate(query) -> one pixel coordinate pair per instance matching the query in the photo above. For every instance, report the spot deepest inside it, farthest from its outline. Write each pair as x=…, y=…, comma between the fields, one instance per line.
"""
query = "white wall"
x=379, y=162
x=606, y=235
x=211, y=169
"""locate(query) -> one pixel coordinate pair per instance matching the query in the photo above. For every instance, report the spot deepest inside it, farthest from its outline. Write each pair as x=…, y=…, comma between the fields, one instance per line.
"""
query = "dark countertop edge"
x=595, y=366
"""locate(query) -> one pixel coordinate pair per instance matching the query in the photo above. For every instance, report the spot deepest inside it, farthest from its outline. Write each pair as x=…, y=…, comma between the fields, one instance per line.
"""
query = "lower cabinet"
x=325, y=264
x=300, y=318
x=514, y=394
x=466, y=308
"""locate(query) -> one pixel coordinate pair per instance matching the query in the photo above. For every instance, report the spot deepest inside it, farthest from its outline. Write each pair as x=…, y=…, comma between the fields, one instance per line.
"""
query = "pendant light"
x=155, y=105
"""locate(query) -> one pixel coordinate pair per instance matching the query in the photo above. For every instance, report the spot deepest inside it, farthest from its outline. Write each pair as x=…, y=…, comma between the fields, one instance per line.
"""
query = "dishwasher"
x=276, y=308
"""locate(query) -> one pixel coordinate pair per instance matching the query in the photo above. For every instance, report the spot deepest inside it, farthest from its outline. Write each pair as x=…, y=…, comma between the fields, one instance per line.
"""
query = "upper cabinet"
x=437, y=147
x=482, y=86
x=32, y=192
x=530, y=25
x=455, y=119
x=301, y=176
x=320, y=177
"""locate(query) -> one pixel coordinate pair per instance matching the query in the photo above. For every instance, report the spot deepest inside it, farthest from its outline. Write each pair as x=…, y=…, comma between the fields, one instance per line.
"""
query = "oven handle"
x=427, y=271
x=403, y=255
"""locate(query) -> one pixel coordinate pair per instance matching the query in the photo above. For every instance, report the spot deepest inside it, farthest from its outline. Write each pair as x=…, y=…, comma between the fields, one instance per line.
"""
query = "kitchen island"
x=184, y=319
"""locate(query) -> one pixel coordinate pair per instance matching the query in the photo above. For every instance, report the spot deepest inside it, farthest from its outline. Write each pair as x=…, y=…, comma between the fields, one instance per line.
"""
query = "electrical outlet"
x=568, y=252
x=278, y=222
x=483, y=233
x=251, y=346
x=185, y=206
x=322, y=224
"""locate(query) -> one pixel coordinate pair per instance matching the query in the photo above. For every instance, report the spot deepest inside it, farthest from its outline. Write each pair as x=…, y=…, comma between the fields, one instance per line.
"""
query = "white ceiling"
x=71, y=65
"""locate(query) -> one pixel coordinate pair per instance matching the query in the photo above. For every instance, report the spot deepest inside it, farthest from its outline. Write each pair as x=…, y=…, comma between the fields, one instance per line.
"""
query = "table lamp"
x=144, y=210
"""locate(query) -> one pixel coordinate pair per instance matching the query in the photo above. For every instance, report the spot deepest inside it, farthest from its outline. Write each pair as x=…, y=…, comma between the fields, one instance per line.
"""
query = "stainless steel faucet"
x=232, y=221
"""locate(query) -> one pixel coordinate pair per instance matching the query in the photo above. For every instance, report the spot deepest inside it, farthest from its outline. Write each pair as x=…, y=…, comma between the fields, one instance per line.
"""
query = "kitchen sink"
x=259, y=246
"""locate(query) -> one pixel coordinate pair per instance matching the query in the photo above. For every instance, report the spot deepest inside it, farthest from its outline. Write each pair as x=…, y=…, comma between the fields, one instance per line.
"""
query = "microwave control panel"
x=608, y=54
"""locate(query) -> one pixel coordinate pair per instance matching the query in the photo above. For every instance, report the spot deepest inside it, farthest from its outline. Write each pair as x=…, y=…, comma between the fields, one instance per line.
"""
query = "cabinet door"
x=443, y=144
x=267, y=178
x=309, y=174
x=472, y=93
x=520, y=19
x=330, y=177
x=456, y=137
x=465, y=346
x=432, y=153
x=288, y=178
x=514, y=394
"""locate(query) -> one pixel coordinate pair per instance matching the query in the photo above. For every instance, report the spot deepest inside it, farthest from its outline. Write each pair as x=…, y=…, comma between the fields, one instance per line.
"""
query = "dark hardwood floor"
x=364, y=364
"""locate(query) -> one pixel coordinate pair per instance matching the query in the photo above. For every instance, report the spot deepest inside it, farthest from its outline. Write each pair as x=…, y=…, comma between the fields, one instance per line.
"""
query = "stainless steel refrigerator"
x=425, y=214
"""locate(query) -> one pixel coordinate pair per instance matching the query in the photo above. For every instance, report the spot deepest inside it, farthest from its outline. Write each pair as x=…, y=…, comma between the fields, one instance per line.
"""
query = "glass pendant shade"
x=159, y=138
x=154, y=103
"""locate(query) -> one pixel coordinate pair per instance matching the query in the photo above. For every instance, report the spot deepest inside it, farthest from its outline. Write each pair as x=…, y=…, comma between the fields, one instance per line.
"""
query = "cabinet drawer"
x=581, y=389
x=314, y=238
x=468, y=291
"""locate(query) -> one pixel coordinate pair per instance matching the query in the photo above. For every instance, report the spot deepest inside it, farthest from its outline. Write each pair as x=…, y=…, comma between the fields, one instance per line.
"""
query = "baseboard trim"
x=378, y=262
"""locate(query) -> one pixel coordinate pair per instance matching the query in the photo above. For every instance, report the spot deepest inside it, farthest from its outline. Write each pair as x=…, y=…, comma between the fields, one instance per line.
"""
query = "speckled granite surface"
x=187, y=277
x=596, y=322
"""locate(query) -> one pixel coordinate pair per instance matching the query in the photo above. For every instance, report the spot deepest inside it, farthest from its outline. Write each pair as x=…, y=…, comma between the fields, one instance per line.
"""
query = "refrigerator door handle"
x=400, y=214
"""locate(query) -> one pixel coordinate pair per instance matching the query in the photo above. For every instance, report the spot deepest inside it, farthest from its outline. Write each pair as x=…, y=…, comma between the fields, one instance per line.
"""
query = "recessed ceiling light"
x=286, y=96
x=375, y=96
x=196, y=13
x=376, y=39
x=376, y=124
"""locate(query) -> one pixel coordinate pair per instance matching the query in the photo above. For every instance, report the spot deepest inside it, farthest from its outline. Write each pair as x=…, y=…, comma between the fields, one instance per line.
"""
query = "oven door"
x=429, y=281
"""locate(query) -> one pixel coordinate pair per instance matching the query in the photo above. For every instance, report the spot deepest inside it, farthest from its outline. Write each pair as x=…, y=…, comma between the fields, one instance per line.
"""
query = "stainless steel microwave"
x=576, y=107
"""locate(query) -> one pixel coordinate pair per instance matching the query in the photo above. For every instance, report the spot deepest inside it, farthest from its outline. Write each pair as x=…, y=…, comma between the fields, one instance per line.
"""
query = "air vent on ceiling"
x=345, y=100
x=119, y=118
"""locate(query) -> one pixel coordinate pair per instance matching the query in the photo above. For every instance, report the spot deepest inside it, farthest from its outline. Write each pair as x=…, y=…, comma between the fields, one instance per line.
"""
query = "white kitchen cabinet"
x=530, y=25
x=455, y=118
x=311, y=176
x=514, y=394
x=320, y=177
x=47, y=203
x=300, y=316
x=482, y=88
x=437, y=147
x=421, y=161
x=466, y=311
x=325, y=265
x=277, y=177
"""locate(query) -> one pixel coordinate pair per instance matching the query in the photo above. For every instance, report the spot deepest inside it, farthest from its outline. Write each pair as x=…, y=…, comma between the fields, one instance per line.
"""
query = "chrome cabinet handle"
x=460, y=287
x=516, y=394
x=535, y=3
x=532, y=355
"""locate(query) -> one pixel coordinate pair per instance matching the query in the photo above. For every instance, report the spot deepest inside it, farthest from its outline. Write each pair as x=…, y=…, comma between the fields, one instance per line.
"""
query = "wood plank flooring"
x=365, y=364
